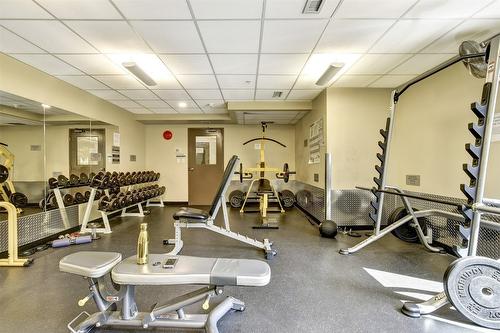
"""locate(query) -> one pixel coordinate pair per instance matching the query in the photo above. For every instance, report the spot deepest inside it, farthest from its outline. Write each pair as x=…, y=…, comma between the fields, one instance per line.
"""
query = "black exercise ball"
x=328, y=228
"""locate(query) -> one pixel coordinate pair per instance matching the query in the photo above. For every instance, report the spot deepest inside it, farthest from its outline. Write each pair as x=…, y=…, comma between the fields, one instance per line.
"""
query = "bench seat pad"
x=91, y=264
x=193, y=271
x=191, y=214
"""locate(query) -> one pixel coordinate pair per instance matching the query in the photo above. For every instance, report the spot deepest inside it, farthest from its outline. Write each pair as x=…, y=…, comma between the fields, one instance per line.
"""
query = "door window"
x=206, y=150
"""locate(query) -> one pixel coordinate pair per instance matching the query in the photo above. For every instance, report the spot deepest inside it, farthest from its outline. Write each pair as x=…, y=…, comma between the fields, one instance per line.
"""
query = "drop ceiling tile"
x=234, y=63
x=10, y=43
x=109, y=36
x=355, y=81
x=477, y=30
x=491, y=11
x=211, y=104
x=275, y=81
x=391, y=81
x=442, y=9
x=153, y=9
x=82, y=81
x=22, y=9
x=282, y=63
x=172, y=94
x=306, y=81
x=163, y=110
x=420, y=63
x=139, y=110
x=377, y=63
x=120, y=81
x=92, y=63
x=237, y=94
x=303, y=94
x=230, y=36
x=236, y=81
x=181, y=105
x=268, y=94
x=187, y=63
x=138, y=94
x=291, y=36
x=412, y=35
x=293, y=9
x=47, y=63
x=205, y=94
x=167, y=84
x=77, y=9
x=108, y=94
x=170, y=36
x=52, y=36
x=369, y=9
x=227, y=9
x=125, y=104
x=352, y=36
x=198, y=81
x=157, y=103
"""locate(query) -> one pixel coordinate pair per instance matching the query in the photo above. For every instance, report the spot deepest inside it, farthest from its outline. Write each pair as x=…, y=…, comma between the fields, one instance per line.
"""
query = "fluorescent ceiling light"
x=148, y=63
x=139, y=73
x=45, y=106
x=319, y=63
x=329, y=74
x=182, y=104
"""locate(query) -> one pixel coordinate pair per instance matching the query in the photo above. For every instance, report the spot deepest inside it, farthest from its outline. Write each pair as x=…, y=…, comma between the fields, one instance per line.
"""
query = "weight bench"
x=188, y=217
x=214, y=273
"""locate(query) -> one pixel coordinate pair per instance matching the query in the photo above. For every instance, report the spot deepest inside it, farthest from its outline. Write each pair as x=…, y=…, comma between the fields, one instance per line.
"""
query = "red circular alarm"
x=167, y=135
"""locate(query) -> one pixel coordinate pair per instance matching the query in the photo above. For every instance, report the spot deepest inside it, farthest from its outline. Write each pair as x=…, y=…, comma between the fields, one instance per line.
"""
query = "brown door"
x=86, y=150
x=205, y=164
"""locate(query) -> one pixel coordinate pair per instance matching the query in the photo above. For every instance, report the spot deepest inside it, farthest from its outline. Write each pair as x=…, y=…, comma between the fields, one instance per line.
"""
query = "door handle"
x=190, y=169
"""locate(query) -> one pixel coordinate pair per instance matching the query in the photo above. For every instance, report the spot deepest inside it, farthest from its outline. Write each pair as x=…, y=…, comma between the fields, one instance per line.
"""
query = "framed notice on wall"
x=315, y=141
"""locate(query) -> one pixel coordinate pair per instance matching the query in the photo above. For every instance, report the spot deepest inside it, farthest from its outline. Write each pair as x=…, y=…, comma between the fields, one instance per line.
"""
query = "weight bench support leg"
x=220, y=310
x=415, y=310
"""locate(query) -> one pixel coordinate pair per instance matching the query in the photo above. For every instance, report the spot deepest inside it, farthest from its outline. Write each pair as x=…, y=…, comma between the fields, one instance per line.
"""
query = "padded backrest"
x=226, y=179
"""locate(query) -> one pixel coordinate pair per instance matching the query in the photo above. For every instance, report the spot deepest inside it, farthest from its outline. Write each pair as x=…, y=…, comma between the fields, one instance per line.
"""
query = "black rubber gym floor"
x=312, y=289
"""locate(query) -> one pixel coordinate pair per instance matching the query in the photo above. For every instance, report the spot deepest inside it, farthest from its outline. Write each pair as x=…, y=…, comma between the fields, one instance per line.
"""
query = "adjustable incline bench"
x=214, y=273
x=188, y=217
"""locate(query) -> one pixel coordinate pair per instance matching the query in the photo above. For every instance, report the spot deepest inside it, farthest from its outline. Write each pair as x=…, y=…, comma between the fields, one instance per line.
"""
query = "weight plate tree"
x=472, y=285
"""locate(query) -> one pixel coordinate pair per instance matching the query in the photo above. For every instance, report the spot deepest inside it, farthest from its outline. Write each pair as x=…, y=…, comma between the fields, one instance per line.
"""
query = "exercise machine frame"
x=208, y=223
x=12, y=259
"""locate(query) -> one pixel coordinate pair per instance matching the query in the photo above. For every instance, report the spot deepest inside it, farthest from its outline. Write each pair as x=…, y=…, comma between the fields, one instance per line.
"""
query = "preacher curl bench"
x=196, y=218
x=214, y=273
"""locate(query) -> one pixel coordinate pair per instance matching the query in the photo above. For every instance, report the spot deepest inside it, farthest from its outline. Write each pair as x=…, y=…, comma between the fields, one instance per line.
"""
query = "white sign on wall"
x=315, y=141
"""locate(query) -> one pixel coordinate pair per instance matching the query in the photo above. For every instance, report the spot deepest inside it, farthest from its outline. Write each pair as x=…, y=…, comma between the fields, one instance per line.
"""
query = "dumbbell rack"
x=61, y=205
x=124, y=213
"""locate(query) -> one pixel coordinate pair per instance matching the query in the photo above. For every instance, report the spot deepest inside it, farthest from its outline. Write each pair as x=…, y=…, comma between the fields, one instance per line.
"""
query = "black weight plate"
x=236, y=198
x=472, y=285
x=287, y=198
x=406, y=232
x=52, y=183
x=304, y=199
x=4, y=173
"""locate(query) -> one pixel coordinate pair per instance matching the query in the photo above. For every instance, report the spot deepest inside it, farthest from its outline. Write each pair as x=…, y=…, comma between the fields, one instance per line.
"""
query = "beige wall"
x=306, y=171
x=161, y=154
x=431, y=131
x=354, y=118
x=20, y=79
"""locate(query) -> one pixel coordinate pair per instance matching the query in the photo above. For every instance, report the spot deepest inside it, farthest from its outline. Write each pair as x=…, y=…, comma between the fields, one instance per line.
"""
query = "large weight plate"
x=472, y=285
x=4, y=173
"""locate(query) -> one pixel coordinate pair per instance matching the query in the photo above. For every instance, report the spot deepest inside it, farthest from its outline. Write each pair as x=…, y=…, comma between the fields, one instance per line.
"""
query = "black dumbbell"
x=62, y=181
x=162, y=189
x=53, y=183
x=87, y=195
x=97, y=195
x=74, y=180
x=84, y=179
x=68, y=200
x=79, y=198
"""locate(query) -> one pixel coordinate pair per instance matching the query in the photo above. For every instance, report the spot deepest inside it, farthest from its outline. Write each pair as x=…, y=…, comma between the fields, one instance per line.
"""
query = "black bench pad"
x=191, y=213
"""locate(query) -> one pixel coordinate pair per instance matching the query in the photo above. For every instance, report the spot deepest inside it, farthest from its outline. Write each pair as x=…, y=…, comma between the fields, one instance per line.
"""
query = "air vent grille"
x=277, y=94
x=313, y=6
